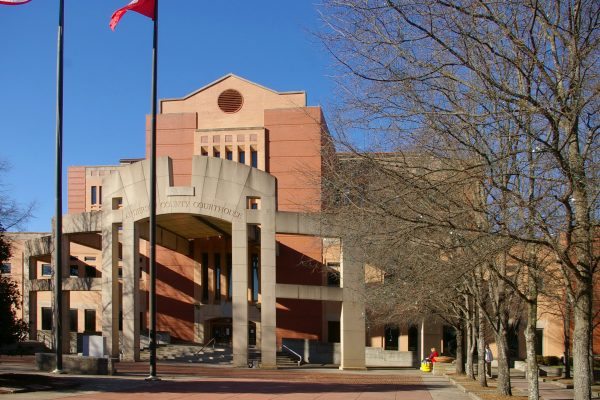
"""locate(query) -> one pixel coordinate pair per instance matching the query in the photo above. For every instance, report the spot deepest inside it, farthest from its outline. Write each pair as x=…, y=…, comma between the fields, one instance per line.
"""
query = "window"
x=204, y=267
x=46, y=318
x=333, y=274
x=333, y=331
x=73, y=322
x=255, y=277
x=254, y=158
x=391, y=337
x=99, y=194
x=216, y=153
x=90, y=271
x=46, y=269
x=217, y=277
x=90, y=320
x=242, y=156
x=5, y=268
x=94, y=195
x=74, y=271
x=229, y=155
x=229, y=281
x=539, y=342
x=413, y=338
x=117, y=203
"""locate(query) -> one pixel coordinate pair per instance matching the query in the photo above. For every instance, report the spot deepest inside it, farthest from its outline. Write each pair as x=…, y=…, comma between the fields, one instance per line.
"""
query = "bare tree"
x=493, y=84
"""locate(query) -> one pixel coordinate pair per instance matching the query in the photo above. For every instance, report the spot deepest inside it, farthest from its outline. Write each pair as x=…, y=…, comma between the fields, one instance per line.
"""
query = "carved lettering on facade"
x=137, y=212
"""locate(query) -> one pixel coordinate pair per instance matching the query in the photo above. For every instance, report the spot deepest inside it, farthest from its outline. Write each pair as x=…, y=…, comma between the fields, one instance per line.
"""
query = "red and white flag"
x=144, y=7
x=14, y=2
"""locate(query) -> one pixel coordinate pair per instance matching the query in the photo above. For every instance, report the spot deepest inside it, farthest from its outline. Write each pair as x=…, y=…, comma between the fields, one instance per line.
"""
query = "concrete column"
x=29, y=297
x=111, y=302
x=239, y=253
x=131, y=291
x=352, y=322
x=268, y=338
x=198, y=323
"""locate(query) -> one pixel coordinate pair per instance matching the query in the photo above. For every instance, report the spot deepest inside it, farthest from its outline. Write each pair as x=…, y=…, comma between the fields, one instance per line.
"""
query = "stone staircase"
x=194, y=353
x=191, y=353
x=286, y=360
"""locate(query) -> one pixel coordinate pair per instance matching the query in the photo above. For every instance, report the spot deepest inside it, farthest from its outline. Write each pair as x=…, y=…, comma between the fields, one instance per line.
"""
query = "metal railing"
x=284, y=347
x=206, y=345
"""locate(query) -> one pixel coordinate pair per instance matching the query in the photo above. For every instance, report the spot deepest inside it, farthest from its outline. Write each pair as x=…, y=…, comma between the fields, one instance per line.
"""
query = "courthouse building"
x=242, y=256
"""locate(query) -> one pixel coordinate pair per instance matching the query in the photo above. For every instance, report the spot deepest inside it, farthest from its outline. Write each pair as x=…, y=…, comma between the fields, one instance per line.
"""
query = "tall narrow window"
x=229, y=272
x=90, y=320
x=217, y=277
x=46, y=318
x=254, y=158
x=94, y=195
x=242, y=156
x=73, y=320
x=99, y=194
x=255, y=277
x=204, y=267
x=229, y=155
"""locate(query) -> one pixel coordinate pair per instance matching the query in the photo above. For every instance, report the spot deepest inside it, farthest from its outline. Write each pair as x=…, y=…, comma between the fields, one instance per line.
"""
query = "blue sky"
x=107, y=75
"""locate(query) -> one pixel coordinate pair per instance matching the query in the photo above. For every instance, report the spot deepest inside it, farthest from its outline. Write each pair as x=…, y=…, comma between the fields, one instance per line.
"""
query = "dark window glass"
x=46, y=318
x=46, y=269
x=333, y=274
x=99, y=194
x=217, y=276
x=242, y=157
x=90, y=320
x=90, y=271
x=413, y=338
x=229, y=271
x=74, y=270
x=254, y=158
x=391, y=337
x=5, y=268
x=255, y=277
x=333, y=331
x=539, y=342
x=229, y=155
x=94, y=195
x=204, y=276
x=73, y=321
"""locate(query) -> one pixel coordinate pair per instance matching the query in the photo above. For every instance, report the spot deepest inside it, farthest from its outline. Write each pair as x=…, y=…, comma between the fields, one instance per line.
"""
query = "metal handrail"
x=283, y=346
x=206, y=345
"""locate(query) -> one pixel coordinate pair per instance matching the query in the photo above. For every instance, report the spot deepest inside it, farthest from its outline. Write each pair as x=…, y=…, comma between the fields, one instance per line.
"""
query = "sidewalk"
x=187, y=381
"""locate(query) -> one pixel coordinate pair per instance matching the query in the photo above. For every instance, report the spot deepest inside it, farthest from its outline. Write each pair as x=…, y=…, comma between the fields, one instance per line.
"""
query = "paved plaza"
x=180, y=381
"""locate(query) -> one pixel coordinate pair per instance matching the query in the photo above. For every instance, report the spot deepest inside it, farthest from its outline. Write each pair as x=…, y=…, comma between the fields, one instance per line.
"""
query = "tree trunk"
x=470, y=340
x=567, y=337
x=582, y=313
x=503, y=359
x=532, y=365
x=460, y=363
x=481, y=349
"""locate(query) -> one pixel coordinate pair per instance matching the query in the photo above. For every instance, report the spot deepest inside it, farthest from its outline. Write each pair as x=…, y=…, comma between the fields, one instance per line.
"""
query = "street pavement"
x=191, y=381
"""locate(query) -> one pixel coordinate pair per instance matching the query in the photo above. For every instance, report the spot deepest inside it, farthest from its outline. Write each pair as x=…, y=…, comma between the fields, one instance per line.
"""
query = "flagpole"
x=152, y=289
x=58, y=345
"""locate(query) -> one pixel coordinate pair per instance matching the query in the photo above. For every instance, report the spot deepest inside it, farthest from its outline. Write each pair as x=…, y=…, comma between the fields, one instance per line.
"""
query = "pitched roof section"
x=225, y=77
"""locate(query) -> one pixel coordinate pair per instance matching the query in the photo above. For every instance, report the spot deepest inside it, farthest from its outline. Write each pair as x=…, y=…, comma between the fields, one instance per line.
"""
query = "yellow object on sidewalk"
x=426, y=365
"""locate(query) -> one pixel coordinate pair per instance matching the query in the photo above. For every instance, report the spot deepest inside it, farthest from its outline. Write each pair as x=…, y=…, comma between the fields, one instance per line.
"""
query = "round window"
x=230, y=101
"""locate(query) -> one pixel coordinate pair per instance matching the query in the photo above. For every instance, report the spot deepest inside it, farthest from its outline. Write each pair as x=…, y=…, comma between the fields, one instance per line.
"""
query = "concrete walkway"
x=181, y=381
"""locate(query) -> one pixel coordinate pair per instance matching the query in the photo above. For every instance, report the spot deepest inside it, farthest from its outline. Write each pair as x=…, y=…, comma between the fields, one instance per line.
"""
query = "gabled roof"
x=230, y=75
